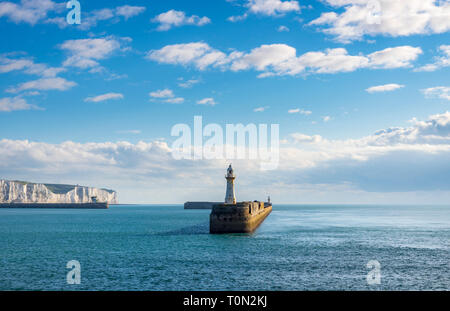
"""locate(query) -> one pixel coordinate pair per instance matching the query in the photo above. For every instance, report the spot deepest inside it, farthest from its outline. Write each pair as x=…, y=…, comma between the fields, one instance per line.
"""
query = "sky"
x=360, y=90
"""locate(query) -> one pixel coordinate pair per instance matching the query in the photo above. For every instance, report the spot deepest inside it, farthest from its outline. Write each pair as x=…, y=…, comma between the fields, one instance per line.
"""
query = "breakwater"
x=199, y=205
x=242, y=217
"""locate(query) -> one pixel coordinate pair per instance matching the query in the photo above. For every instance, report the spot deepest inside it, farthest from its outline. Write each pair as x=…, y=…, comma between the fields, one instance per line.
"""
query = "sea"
x=156, y=248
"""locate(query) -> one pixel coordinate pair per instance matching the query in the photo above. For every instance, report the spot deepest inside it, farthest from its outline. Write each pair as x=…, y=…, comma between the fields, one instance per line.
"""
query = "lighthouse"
x=237, y=217
x=230, y=197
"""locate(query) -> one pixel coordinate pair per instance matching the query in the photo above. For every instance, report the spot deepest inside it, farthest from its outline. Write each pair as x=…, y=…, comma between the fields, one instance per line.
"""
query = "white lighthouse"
x=230, y=197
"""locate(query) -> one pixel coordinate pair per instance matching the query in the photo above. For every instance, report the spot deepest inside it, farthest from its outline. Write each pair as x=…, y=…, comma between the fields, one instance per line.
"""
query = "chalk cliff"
x=25, y=192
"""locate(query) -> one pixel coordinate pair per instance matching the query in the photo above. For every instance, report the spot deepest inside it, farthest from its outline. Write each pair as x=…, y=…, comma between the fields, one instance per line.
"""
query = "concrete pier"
x=242, y=217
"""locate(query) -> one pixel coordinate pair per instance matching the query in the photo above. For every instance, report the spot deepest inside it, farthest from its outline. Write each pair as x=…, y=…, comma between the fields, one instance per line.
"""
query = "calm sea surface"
x=168, y=248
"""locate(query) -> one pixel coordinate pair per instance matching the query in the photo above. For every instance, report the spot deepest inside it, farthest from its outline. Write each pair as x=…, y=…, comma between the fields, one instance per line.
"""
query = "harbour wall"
x=200, y=205
x=242, y=217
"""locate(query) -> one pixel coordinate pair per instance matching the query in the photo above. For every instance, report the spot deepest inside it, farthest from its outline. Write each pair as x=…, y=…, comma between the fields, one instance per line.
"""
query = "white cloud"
x=207, y=101
x=128, y=11
x=303, y=138
x=300, y=111
x=283, y=29
x=136, y=132
x=85, y=53
x=425, y=134
x=8, y=65
x=274, y=55
x=28, y=66
x=28, y=11
x=440, y=61
x=175, y=100
x=266, y=8
x=175, y=18
x=237, y=18
x=37, y=11
x=442, y=92
x=272, y=7
x=384, y=17
x=166, y=96
x=104, y=97
x=394, y=159
x=398, y=57
x=166, y=93
x=44, y=71
x=59, y=21
x=260, y=109
x=92, y=18
x=384, y=88
x=44, y=84
x=15, y=103
x=326, y=118
x=282, y=59
x=31, y=93
x=330, y=61
x=200, y=54
x=405, y=160
x=189, y=83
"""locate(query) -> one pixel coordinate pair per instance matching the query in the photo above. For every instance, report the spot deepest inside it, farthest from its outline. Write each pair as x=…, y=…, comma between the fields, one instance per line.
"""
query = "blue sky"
x=332, y=73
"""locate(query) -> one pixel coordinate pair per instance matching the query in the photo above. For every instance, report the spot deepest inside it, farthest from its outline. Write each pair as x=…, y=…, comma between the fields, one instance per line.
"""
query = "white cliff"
x=23, y=192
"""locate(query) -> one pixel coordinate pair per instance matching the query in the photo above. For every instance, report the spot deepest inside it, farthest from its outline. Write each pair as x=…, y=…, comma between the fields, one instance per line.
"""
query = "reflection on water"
x=202, y=228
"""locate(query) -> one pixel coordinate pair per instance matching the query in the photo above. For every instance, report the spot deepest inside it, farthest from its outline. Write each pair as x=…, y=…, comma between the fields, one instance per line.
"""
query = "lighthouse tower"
x=230, y=198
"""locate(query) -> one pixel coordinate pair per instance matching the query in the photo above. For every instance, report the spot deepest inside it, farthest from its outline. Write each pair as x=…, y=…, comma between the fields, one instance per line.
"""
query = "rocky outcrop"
x=25, y=192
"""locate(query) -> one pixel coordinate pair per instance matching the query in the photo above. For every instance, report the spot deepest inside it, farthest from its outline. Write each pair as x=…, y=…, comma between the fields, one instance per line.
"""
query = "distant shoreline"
x=297, y=204
x=55, y=205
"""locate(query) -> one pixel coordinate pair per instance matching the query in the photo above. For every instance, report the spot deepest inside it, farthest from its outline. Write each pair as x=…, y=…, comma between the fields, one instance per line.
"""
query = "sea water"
x=298, y=247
